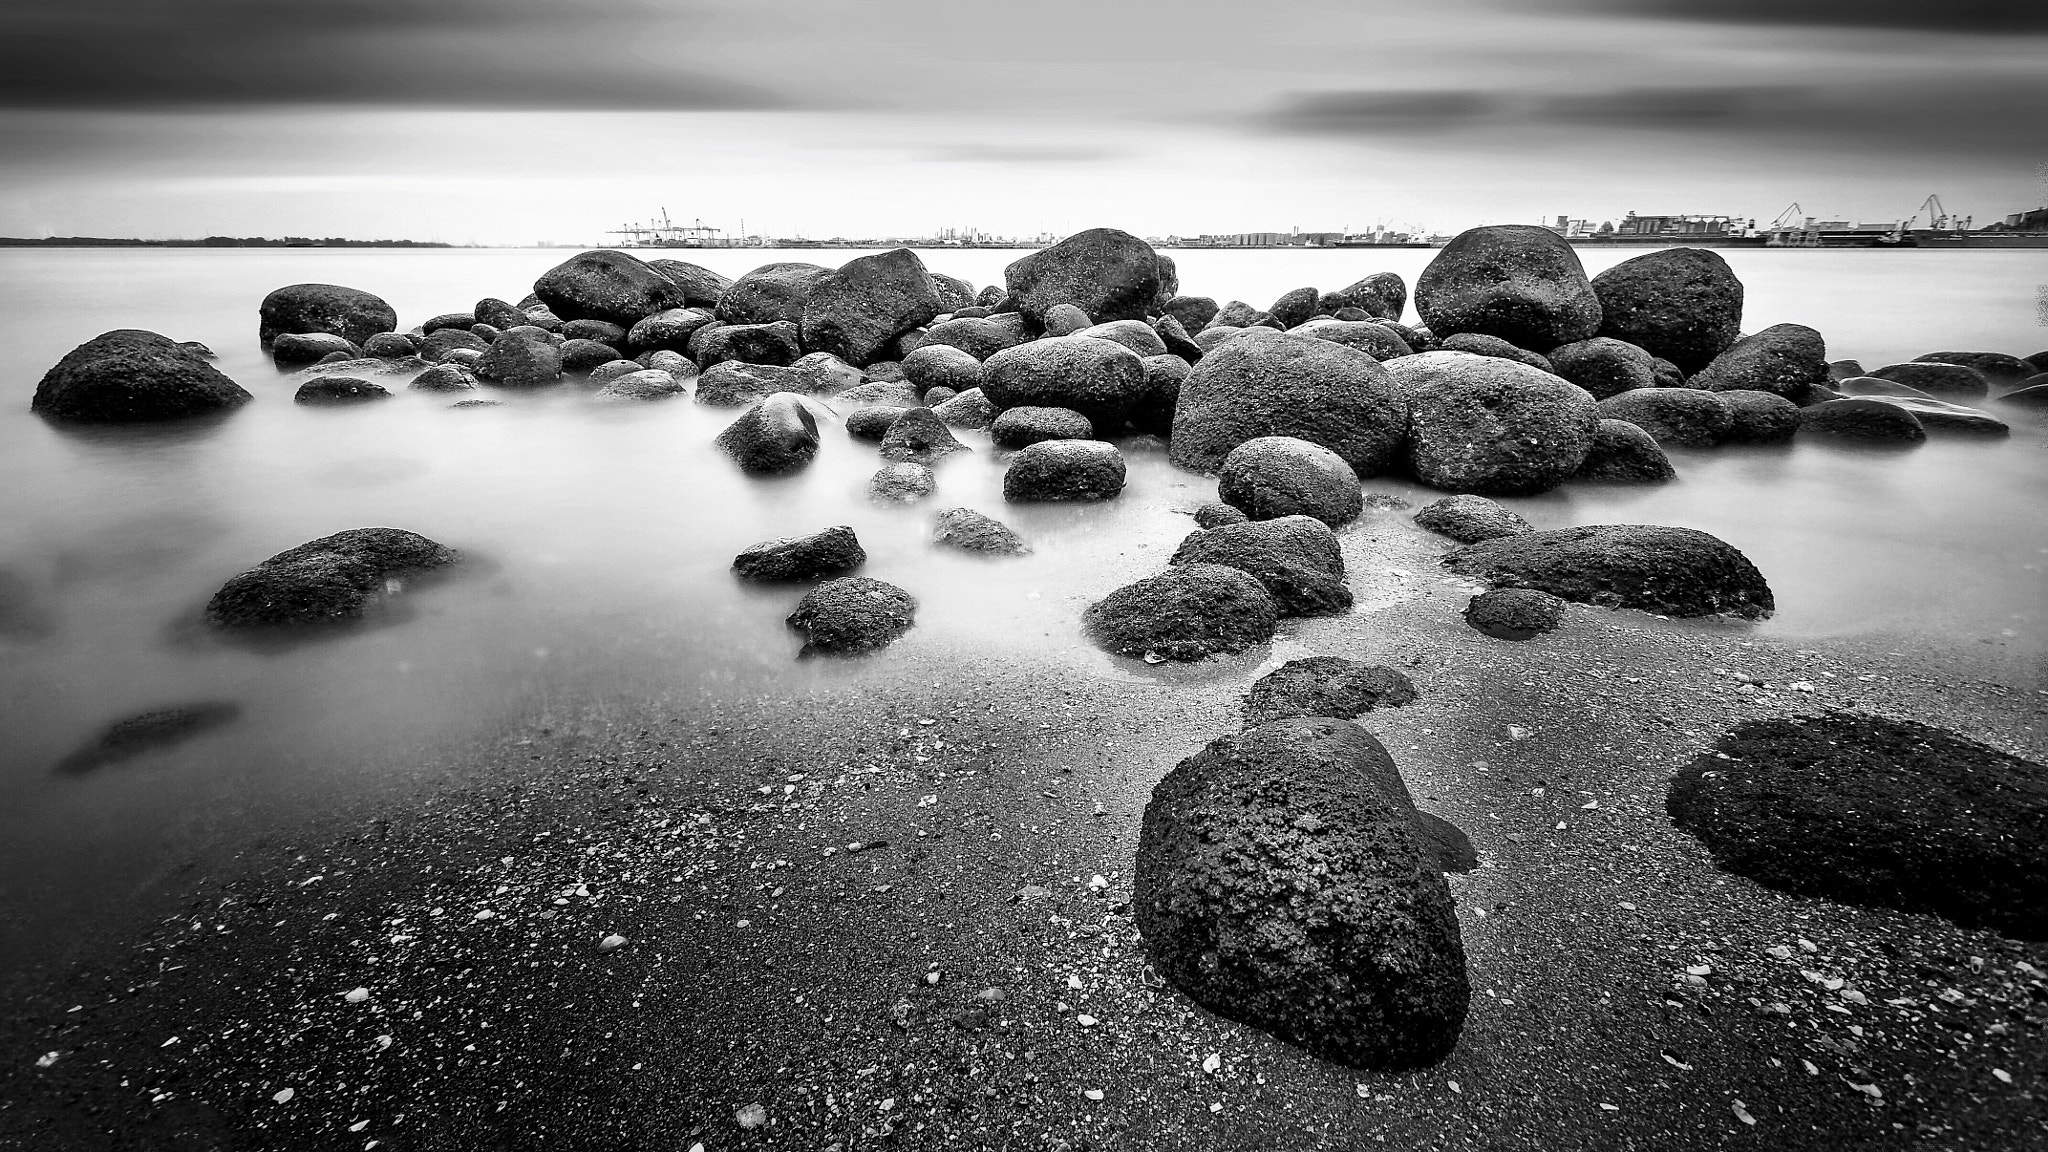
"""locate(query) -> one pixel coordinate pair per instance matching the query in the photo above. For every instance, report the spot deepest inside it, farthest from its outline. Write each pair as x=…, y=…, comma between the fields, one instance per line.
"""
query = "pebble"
x=1093, y=1093
x=356, y=995
x=751, y=1116
x=1214, y=1063
x=1085, y=1020
x=1742, y=1113
x=610, y=942
x=284, y=1095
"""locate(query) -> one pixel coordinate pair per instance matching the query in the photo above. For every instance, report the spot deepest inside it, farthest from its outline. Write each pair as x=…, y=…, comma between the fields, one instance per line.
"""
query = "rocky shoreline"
x=1435, y=856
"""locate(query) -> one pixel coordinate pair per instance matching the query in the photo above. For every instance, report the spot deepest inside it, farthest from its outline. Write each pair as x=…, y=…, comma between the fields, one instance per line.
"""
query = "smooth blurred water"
x=601, y=533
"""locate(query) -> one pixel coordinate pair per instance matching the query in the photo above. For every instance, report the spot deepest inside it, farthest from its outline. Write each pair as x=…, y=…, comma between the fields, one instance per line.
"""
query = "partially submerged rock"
x=310, y=348
x=1297, y=558
x=1032, y=424
x=1935, y=414
x=1325, y=686
x=1604, y=366
x=852, y=615
x=1669, y=571
x=830, y=552
x=339, y=390
x=1100, y=379
x=1479, y=424
x=131, y=376
x=777, y=436
x=1265, y=383
x=1875, y=811
x=1937, y=379
x=147, y=732
x=1188, y=612
x=1470, y=519
x=1788, y=359
x=1759, y=417
x=1685, y=417
x=1273, y=476
x=919, y=436
x=1680, y=304
x=1107, y=273
x=858, y=310
x=521, y=358
x=350, y=313
x=1281, y=883
x=1622, y=453
x=1865, y=418
x=607, y=285
x=1064, y=470
x=904, y=482
x=646, y=384
x=334, y=578
x=970, y=531
x=1519, y=282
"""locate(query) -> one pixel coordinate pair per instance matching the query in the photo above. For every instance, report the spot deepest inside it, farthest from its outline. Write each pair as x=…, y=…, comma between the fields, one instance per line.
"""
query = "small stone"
x=751, y=1116
x=284, y=1095
x=1093, y=1093
x=356, y=995
x=1742, y=1113
x=1214, y=1063
x=610, y=942
x=1086, y=1021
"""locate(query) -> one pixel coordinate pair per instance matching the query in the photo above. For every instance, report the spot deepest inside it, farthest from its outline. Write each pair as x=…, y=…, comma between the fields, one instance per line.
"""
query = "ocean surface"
x=600, y=536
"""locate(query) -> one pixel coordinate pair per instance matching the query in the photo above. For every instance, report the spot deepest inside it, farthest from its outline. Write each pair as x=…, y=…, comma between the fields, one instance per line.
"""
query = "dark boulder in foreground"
x=1623, y=453
x=147, y=732
x=1215, y=514
x=1938, y=414
x=339, y=390
x=970, y=531
x=903, y=482
x=1866, y=418
x=1685, y=417
x=831, y=552
x=1668, y=571
x=1325, y=686
x=1030, y=424
x=646, y=384
x=1281, y=883
x=607, y=285
x=1604, y=366
x=1519, y=282
x=1100, y=379
x=1880, y=812
x=1064, y=470
x=1297, y=558
x=1937, y=379
x=1375, y=340
x=1480, y=424
x=444, y=378
x=130, y=376
x=334, y=578
x=776, y=436
x=1382, y=294
x=1188, y=612
x=350, y=313
x=853, y=614
x=770, y=293
x=917, y=435
x=1265, y=383
x=1273, y=476
x=1107, y=273
x=1759, y=417
x=1788, y=359
x=1514, y=613
x=310, y=347
x=1680, y=304
x=701, y=286
x=1470, y=519
x=521, y=358
x=858, y=310
x=969, y=409
x=1479, y=344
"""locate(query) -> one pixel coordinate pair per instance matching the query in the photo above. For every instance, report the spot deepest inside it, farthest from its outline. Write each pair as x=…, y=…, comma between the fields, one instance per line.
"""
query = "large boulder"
x=1470, y=519
x=1382, y=294
x=1100, y=379
x=436, y=345
x=1604, y=366
x=776, y=436
x=1788, y=359
x=1107, y=273
x=1281, y=882
x=1514, y=613
x=521, y=358
x=954, y=293
x=1140, y=337
x=350, y=313
x=701, y=286
x=607, y=285
x=903, y=482
x=1297, y=558
x=775, y=344
x=1686, y=417
x=969, y=409
x=1023, y=427
x=1680, y=304
x=1668, y=571
x=1064, y=471
x=831, y=552
x=1295, y=306
x=978, y=336
x=1519, y=282
x=1758, y=417
x=646, y=384
x=851, y=615
x=770, y=293
x=856, y=311
x=1866, y=418
x=1486, y=425
x=941, y=366
x=670, y=329
x=332, y=579
x=1188, y=612
x=1480, y=344
x=339, y=390
x=1875, y=811
x=970, y=531
x=1997, y=367
x=1267, y=383
x=1937, y=379
x=1325, y=686
x=1374, y=339
x=131, y=376
x=733, y=382
x=310, y=347
x=1273, y=476
x=1622, y=453
x=919, y=436
x=1193, y=312
x=1939, y=414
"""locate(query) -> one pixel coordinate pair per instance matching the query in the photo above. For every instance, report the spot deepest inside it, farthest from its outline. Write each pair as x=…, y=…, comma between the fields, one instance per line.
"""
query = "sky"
x=521, y=121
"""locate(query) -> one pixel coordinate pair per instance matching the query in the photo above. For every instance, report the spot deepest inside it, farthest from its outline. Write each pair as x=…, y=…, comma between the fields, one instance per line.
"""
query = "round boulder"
x=583, y=355
x=339, y=390
x=902, y=482
x=776, y=436
x=444, y=378
x=774, y=344
x=1514, y=613
x=1604, y=366
x=1100, y=379
x=1937, y=379
x=350, y=313
x=770, y=293
x=1668, y=571
x=1135, y=335
x=1273, y=476
x=1479, y=344
x=334, y=578
x=1997, y=367
x=1064, y=470
x=941, y=366
x=390, y=346
x=1107, y=273
x=979, y=337
x=851, y=615
x=1623, y=453
x=858, y=310
x=1519, y=282
x=872, y=421
x=1486, y=425
x=1375, y=340
x=130, y=376
x=1758, y=417
x=1788, y=359
x=646, y=384
x=607, y=285
x=970, y=531
x=1686, y=417
x=1188, y=612
x=1382, y=294
x=919, y=436
x=1866, y=418
x=1281, y=883
x=310, y=347
x=1470, y=519
x=1681, y=304
x=1028, y=425
x=670, y=328
x=831, y=552
x=1297, y=558
x=1325, y=686
x=970, y=409
x=1215, y=514
x=521, y=358
x=701, y=286
x=1266, y=383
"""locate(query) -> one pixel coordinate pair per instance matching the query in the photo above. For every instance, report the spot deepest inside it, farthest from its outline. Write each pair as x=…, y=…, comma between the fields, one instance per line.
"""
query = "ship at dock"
x=1794, y=229
x=661, y=232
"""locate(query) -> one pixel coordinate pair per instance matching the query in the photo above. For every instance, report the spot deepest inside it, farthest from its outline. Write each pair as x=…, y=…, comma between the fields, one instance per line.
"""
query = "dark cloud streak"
x=453, y=53
x=1967, y=16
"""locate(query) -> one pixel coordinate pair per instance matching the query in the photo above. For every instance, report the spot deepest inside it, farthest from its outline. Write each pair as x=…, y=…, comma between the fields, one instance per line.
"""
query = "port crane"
x=663, y=233
x=1938, y=218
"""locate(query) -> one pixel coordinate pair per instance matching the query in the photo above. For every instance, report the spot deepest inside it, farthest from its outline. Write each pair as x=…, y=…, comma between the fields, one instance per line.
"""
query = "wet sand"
x=1626, y=994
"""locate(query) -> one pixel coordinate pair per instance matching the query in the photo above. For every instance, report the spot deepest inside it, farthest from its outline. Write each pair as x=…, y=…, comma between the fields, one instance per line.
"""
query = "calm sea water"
x=603, y=533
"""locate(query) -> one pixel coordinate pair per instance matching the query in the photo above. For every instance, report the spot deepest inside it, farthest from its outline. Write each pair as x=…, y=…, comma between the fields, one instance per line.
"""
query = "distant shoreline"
x=210, y=242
